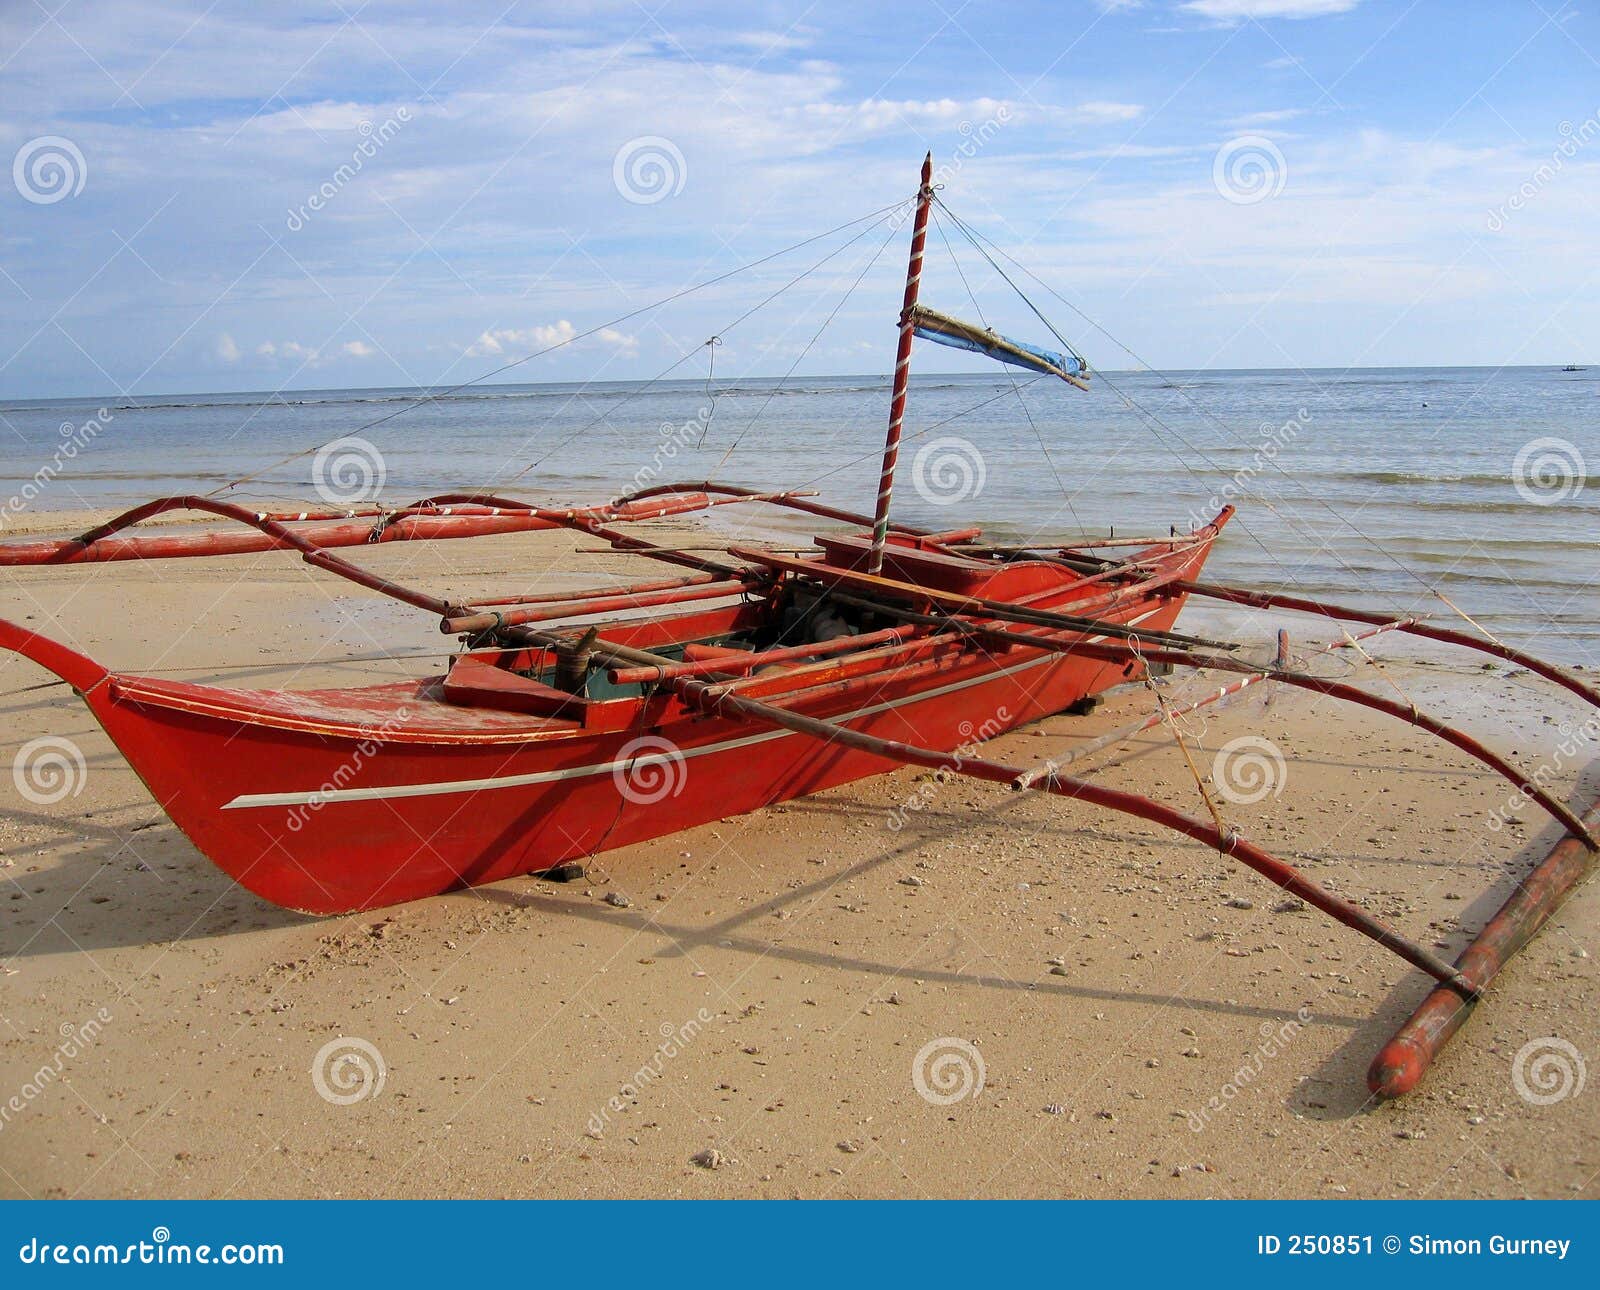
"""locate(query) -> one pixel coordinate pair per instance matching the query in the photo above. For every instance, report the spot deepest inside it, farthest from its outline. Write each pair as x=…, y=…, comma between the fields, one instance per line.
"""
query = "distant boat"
x=1573, y=367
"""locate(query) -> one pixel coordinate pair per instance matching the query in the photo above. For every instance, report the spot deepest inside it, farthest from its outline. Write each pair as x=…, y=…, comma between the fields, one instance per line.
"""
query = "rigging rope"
x=436, y=395
x=974, y=237
x=682, y=358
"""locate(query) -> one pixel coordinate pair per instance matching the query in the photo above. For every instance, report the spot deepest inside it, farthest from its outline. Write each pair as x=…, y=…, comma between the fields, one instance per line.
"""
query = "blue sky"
x=1221, y=183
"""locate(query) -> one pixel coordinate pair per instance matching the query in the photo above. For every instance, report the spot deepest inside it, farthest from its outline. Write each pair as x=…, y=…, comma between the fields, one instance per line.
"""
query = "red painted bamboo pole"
x=716, y=700
x=1403, y=1061
x=744, y=663
x=1272, y=600
x=621, y=600
x=1135, y=650
x=593, y=593
x=102, y=543
x=902, y=368
x=1216, y=696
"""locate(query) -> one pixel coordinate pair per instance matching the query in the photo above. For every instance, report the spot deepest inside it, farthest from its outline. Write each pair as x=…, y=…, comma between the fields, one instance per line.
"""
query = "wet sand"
x=1149, y=1019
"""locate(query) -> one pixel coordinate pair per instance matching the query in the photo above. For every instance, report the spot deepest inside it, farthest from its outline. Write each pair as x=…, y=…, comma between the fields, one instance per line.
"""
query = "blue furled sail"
x=945, y=330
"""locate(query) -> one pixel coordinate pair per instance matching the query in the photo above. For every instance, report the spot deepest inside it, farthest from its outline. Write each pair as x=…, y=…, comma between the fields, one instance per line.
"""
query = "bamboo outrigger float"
x=546, y=742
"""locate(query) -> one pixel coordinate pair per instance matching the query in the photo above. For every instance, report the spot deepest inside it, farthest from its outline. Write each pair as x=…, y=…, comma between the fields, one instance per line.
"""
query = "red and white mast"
x=902, y=369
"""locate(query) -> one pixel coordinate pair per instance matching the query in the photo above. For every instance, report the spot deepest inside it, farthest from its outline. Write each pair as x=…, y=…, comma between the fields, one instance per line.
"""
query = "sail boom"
x=929, y=324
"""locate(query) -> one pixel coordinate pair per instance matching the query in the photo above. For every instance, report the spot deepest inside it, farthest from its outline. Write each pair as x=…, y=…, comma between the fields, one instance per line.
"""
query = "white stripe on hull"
x=386, y=792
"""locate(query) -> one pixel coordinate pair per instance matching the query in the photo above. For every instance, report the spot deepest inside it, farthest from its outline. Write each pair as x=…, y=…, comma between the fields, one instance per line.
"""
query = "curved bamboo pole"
x=1445, y=635
x=1134, y=649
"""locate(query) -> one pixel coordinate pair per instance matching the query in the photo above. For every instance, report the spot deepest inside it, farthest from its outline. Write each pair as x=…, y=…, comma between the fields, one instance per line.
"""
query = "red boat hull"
x=334, y=801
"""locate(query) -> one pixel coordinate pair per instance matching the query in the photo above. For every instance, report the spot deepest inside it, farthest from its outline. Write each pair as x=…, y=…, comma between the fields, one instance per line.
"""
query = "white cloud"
x=1238, y=10
x=225, y=349
x=499, y=340
x=620, y=341
x=292, y=350
x=357, y=349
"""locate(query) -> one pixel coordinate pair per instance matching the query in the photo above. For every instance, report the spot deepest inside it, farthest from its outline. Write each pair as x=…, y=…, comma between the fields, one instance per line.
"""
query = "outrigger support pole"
x=902, y=368
x=715, y=699
x=1444, y=635
x=1403, y=1061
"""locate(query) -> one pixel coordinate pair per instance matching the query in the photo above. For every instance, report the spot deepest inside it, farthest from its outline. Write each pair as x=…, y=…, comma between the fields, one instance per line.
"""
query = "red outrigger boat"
x=750, y=678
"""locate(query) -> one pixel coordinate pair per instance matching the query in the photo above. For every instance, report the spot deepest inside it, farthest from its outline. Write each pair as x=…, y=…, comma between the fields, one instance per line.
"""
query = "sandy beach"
x=1121, y=1013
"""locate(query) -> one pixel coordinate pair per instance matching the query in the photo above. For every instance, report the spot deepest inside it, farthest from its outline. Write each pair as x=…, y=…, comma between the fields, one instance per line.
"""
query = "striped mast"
x=902, y=369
